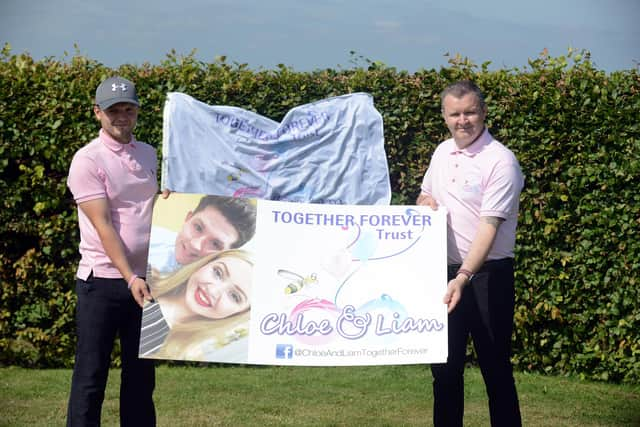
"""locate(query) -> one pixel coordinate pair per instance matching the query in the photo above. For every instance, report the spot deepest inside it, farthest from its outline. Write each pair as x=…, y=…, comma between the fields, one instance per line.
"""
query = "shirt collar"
x=474, y=148
x=126, y=152
x=114, y=145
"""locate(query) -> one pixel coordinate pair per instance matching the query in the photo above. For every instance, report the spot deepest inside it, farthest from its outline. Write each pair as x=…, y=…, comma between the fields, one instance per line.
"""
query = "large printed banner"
x=307, y=284
x=330, y=151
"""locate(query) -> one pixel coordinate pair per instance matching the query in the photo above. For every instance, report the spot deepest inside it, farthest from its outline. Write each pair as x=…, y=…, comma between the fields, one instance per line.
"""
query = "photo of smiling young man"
x=217, y=223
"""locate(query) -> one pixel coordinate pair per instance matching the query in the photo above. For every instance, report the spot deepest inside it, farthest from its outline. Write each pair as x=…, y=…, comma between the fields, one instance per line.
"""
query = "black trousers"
x=485, y=312
x=105, y=309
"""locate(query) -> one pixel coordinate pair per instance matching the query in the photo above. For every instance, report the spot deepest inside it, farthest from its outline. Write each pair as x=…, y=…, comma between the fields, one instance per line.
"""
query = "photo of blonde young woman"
x=202, y=307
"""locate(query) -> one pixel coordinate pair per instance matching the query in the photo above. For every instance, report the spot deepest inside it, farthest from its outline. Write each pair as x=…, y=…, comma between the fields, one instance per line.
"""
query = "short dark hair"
x=460, y=89
x=241, y=213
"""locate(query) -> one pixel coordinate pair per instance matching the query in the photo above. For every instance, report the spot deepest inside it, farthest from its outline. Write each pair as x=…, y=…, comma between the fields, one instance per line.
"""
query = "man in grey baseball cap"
x=116, y=108
x=113, y=180
x=114, y=90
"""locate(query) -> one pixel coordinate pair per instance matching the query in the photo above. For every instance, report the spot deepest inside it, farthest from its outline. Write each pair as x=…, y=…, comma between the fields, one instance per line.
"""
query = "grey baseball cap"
x=114, y=90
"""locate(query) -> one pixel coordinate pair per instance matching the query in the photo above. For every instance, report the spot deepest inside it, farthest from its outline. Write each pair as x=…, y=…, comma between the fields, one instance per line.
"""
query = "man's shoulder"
x=145, y=147
x=446, y=143
x=89, y=148
x=89, y=152
x=445, y=146
x=440, y=153
x=495, y=147
x=504, y=160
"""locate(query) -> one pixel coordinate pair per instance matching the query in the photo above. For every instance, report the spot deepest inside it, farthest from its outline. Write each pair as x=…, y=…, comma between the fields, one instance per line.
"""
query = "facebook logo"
x=284, y=351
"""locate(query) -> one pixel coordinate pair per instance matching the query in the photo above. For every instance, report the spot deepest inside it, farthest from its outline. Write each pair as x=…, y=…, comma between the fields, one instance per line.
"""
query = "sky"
x=307, y=35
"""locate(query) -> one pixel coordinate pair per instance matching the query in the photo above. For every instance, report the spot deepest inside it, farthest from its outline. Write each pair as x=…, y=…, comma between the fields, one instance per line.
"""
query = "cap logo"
x=122, y=86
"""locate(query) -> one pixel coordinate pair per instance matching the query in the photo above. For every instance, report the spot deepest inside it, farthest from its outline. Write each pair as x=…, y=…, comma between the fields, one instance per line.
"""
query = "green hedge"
x=573, y=127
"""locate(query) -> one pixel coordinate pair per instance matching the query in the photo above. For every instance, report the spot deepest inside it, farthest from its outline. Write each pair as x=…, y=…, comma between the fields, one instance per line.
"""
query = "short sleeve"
x=501, y=198
x=86, y=180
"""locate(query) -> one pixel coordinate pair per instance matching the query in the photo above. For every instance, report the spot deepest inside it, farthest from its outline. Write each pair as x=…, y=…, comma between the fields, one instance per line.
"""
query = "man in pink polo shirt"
x=113, y=181
x=479, y=181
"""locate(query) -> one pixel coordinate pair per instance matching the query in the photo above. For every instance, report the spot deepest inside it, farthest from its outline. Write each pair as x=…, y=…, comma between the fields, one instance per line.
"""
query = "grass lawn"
x=235, y=395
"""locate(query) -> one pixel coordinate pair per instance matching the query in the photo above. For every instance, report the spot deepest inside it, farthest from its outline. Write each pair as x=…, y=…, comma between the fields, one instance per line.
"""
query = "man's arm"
x=97, y=211
x=480, y=247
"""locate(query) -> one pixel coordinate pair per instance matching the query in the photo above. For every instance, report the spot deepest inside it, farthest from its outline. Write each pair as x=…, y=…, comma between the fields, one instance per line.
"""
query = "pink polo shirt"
x=484, y=179
x=125, y=175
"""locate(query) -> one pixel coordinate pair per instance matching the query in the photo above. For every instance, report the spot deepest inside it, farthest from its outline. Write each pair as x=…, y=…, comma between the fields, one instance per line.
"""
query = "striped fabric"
x=154, y=330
